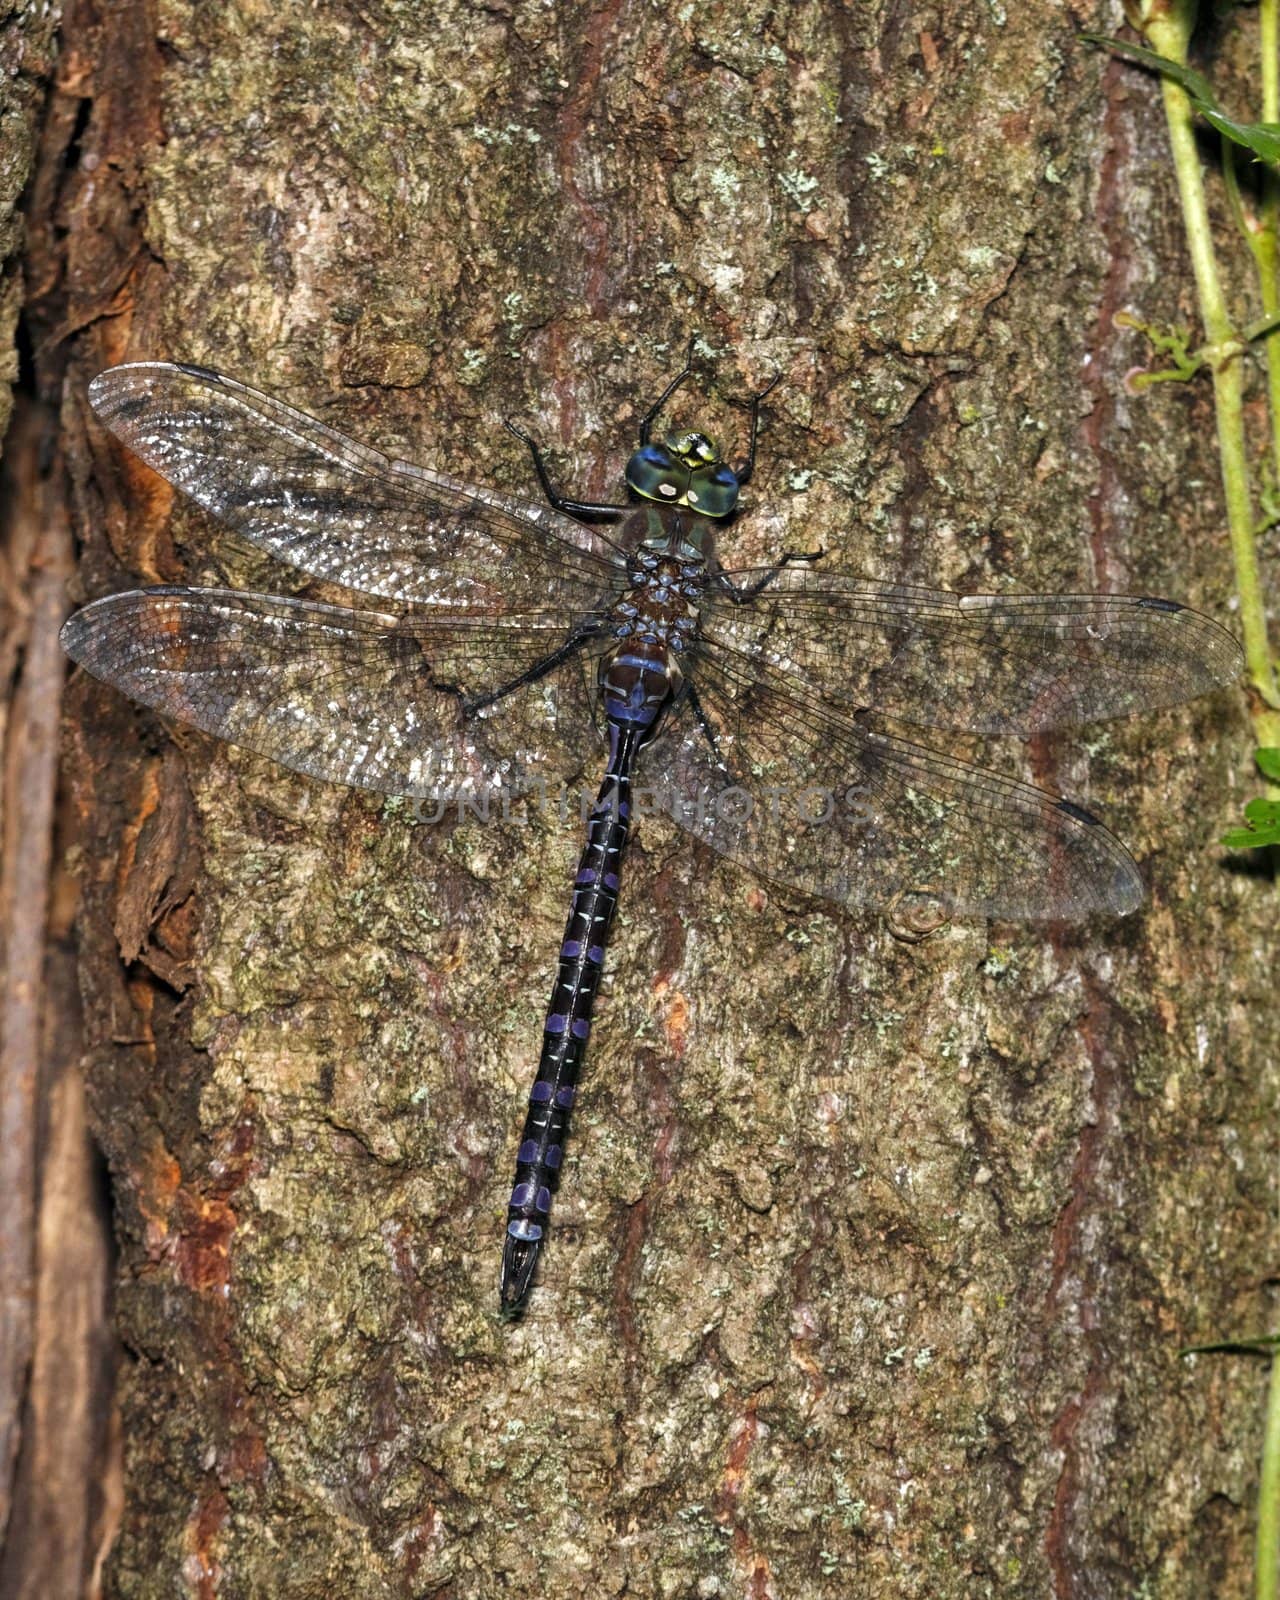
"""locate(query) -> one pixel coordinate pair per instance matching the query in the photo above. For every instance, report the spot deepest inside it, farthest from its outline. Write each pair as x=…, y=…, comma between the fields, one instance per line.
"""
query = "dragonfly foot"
x=519, y=1258
x=520, y=433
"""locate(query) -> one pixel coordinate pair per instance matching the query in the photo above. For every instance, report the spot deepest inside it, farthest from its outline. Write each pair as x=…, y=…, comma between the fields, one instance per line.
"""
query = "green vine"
x=1189, y=98
x=1167, y=26
x=1169, y=344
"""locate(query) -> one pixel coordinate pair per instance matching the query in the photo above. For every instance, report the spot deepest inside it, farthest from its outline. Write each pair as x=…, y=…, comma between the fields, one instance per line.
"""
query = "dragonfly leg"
x=579, y=510
x=743, y=473
x=562, y=653
x=751, y=590
x=700, y=717
x=647, y=421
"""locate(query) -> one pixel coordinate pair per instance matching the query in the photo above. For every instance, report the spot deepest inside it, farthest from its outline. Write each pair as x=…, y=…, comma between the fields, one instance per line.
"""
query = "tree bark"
x=873, y=1260
x=58, y=1468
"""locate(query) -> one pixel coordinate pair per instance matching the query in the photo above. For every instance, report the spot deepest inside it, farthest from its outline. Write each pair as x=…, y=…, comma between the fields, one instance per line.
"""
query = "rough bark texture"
x=873, y=1260
x=27, y=33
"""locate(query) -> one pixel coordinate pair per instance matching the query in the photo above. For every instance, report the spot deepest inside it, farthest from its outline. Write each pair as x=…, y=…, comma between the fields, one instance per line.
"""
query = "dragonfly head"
x=685, y=470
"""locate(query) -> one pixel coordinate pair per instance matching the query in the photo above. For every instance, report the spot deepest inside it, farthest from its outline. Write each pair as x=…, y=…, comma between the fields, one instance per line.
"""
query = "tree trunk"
x=873, y=1260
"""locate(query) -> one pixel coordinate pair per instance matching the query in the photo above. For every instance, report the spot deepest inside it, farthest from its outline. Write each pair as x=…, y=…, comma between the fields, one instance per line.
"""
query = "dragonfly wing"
x=982, y=663
x=339, y=510
x=362, y=698
x=803, y=794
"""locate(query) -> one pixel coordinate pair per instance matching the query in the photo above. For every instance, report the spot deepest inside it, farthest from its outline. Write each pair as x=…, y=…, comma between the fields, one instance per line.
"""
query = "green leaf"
x=1263, y=138
x=1262, y=327
x=1268, y=760
x=1265, y=1344
x=1263, y=817
x=1195, y=83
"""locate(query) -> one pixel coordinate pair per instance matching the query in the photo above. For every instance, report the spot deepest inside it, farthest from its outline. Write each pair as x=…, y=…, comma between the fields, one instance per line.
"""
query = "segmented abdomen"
x=568, y=1023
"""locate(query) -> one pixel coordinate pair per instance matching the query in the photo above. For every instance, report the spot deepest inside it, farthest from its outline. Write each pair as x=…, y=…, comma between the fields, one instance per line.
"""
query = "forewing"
x=842, y=810
x=368, y=699
x=981, y=663
x=339, y=510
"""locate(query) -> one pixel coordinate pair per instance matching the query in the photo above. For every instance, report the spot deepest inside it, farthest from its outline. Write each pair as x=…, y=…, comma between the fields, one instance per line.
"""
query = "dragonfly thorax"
x=670, y=533
x=661, y=602
x=654, y=622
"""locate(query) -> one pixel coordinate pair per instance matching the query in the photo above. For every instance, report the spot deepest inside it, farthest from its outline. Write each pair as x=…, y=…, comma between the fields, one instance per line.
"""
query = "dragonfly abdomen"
x=564, y=1042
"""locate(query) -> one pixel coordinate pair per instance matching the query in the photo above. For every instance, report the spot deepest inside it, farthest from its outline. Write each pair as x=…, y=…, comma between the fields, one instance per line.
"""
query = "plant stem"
x=1266, y=1566
x=1266, y=1561
x=1224, y=348
x=1168, y=29
x=1263, y=240
x=1262, y=243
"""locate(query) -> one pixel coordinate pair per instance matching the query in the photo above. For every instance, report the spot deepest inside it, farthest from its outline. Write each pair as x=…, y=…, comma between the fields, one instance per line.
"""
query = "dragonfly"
x=503, y=642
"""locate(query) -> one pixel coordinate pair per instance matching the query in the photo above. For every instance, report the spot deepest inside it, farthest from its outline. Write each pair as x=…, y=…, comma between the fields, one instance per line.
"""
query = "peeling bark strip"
x=32, y=570
x=30, y=773
x=868, y=1298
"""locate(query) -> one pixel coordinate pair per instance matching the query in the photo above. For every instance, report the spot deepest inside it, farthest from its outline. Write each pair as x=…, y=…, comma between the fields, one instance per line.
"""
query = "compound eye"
x=654, y=457
x=651, y=471
x=714, y=490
